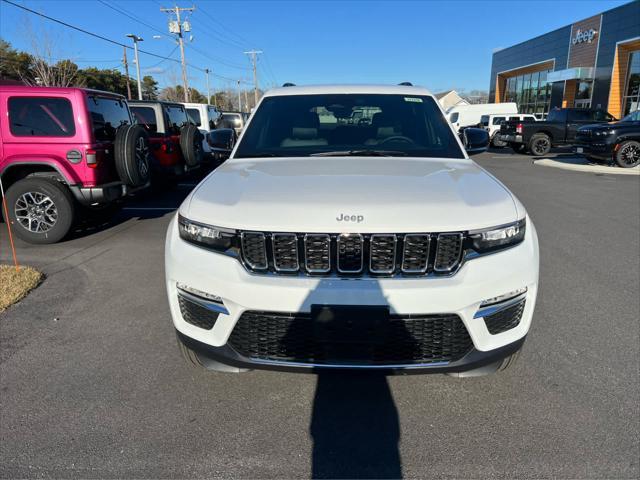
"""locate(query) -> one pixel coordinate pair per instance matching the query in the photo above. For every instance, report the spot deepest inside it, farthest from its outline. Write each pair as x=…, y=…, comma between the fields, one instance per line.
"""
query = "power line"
x=132, y=17
x=95, y=35
x=232, y=32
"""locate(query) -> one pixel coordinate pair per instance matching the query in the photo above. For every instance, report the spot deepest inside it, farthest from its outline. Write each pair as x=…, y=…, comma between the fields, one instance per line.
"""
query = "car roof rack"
x=406, y=84
x=288, y=84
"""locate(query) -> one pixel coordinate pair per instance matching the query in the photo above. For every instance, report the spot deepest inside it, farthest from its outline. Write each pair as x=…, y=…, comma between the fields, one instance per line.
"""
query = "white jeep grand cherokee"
x=349, y=229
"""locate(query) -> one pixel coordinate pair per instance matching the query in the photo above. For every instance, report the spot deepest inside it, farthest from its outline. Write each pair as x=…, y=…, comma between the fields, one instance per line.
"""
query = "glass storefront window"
x=530, y=91
x=631, y=99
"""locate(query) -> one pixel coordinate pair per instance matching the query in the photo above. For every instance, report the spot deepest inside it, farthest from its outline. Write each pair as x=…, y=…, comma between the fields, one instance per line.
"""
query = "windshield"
x=349, y=124
x=632, y=117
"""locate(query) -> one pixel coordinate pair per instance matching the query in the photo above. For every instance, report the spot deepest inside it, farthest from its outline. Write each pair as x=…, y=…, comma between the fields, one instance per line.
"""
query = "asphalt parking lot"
x=92, y=384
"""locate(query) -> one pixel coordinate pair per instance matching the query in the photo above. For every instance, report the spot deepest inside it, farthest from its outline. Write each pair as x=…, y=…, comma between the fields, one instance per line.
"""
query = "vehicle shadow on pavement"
x=354, y=425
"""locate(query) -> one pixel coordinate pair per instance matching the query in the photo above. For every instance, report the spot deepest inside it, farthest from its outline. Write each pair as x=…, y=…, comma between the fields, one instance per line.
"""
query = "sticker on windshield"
x=413, y=99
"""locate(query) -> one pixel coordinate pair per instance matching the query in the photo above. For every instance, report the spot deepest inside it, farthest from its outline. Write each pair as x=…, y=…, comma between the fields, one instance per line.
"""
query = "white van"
x=491, y=123
x=467, y=115
x=205, y=117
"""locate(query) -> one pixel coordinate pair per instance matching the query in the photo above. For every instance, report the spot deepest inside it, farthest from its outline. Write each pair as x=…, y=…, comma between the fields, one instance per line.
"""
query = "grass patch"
x=15, y=284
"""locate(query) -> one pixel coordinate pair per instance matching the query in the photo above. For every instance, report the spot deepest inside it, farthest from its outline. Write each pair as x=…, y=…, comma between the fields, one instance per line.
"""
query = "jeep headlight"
x=602, y=133
x=207, y=236
x=496, y=238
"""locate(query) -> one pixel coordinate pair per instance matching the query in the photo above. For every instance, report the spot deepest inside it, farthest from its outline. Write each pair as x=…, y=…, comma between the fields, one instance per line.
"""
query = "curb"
x=581, y=165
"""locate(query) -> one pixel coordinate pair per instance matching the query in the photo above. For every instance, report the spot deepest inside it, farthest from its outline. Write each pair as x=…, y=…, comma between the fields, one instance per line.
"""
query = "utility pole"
x=137, y=39
x=239, y=101
x=246, y=103
x=206, y=70
x=178, y=27
x=126, y=72
x=254, y=59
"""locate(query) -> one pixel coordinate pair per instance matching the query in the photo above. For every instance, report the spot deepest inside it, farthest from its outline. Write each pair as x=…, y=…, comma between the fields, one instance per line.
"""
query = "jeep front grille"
x=289, y=337
x=353, y=254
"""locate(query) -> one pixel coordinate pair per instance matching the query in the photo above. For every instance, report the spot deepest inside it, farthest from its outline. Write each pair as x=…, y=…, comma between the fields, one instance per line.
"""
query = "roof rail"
x=406, y=84
x=288, y=84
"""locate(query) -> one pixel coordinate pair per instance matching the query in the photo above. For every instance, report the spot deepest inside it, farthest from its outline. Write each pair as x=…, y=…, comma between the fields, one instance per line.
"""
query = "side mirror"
x=222, y=142
x=475, y=140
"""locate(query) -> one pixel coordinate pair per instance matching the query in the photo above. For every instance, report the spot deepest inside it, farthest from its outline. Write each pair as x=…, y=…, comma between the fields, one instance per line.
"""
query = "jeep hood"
x=309, y=194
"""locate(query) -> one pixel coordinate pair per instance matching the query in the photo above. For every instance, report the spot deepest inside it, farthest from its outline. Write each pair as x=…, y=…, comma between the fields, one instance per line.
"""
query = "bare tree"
x=46, y=70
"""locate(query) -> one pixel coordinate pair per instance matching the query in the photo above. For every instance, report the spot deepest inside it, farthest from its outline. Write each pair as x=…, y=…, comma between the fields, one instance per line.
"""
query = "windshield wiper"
x=360, y=153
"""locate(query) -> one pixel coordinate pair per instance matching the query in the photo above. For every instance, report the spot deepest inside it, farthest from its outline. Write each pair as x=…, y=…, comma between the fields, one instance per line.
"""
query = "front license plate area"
x=580, y=150
x=350, y=324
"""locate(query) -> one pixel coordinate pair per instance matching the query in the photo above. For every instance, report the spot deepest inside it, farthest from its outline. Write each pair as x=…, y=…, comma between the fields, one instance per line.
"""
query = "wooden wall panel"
x=570, y=87
x=619, y=76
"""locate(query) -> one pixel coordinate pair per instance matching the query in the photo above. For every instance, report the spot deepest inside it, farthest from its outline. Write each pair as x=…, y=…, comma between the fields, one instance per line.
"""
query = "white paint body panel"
x=393, y=195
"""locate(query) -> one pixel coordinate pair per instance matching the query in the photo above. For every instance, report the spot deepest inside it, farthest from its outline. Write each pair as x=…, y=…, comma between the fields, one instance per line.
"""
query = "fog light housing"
x=199, y=293
x=504, y=297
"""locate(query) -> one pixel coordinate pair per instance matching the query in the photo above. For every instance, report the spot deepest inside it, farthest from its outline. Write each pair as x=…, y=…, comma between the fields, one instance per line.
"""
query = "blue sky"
x=438, y=44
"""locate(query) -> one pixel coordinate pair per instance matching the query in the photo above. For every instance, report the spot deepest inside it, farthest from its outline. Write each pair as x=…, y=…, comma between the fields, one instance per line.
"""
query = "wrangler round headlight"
x=208, y=236
x=488, y=240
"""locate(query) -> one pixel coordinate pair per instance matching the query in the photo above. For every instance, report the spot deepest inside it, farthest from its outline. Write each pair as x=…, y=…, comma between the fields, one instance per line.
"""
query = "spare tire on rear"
x=132, y=155
x=191, y=145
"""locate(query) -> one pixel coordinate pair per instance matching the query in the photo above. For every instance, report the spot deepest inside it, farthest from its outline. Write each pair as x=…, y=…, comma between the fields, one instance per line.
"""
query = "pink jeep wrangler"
x=66, y=150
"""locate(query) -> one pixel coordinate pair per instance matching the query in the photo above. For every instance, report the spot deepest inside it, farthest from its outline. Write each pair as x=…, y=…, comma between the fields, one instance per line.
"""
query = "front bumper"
x=477, y=280
x=598, y=150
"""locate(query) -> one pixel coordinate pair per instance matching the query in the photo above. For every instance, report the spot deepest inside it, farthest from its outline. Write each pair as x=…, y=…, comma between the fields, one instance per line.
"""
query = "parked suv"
x=491, y=123
x=617, y=142
x=324, y=243
x=206, y=118
x=559, y=128
x=176, y=143
x=63, y=150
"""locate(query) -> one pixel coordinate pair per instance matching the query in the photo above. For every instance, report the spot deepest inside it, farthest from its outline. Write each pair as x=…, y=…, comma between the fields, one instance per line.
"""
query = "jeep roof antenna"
x=406, y=84
x=288, y=84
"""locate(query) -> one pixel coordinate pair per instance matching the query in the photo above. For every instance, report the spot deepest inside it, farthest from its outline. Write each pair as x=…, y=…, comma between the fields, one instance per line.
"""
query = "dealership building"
x=592, y=63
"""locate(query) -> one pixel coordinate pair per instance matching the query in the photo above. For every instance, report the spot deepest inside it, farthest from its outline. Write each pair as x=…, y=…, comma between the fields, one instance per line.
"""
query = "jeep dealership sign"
x=584, y=36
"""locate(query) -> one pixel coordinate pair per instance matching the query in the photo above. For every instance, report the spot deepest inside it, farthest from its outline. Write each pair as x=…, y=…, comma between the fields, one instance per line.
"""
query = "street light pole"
x=206, y=70
x=137, y=39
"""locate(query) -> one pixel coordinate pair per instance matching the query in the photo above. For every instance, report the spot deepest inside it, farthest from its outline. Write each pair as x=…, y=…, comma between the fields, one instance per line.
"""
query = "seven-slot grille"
x=352, y=254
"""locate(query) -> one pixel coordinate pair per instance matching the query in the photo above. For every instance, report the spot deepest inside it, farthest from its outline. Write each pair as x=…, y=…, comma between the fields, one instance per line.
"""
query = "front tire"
x=509, y=362
x=189, y=356
x=41, y=210
x=628, y=154
x=540, y=144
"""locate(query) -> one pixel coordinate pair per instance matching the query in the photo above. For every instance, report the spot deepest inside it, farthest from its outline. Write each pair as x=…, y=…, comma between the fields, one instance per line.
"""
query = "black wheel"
x=496, y=143
x=518, y=147
x=41, y=210
x=132, y=155
x=540, y=144
x=189, y=355
x=628, y=154
x=191, y=145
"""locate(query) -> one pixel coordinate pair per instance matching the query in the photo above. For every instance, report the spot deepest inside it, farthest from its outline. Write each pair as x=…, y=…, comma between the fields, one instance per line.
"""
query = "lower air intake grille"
x=290, y=338
x=196, y=314
x=505, y=319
